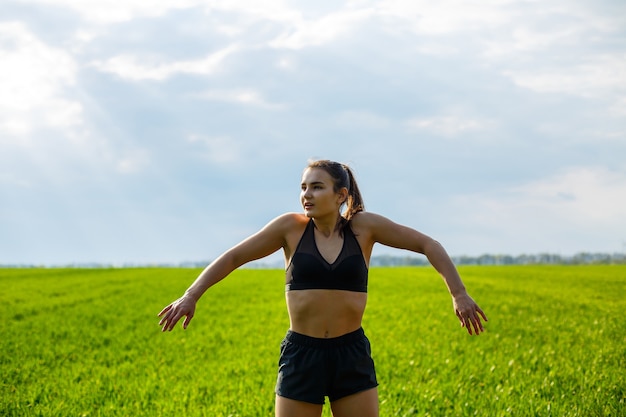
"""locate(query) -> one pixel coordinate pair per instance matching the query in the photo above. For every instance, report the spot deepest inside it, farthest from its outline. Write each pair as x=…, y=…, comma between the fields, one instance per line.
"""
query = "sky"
x=167, y=131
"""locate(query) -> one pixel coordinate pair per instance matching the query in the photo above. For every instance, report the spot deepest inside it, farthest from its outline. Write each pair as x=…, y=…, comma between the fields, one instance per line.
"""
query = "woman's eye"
x=314, y=187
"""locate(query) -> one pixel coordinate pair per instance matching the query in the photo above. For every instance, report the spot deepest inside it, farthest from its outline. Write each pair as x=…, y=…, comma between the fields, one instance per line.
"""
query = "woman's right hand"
x=185, y=306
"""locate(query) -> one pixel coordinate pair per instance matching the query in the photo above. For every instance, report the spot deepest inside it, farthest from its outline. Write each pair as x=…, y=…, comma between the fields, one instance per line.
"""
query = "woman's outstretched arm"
x=263, y=243
x=388, y=233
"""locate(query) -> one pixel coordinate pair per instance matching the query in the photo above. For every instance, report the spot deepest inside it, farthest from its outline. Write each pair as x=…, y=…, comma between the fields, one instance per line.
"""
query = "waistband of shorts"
x=318, y=342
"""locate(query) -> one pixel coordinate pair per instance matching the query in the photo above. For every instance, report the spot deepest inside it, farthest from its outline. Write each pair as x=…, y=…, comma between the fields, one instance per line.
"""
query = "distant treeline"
x=583, y=258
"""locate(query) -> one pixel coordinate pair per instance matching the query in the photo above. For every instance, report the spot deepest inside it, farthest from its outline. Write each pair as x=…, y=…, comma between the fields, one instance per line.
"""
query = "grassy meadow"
x=86, y=342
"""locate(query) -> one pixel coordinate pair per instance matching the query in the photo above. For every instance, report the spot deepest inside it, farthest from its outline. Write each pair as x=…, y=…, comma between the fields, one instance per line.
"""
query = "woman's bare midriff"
x=325, y=313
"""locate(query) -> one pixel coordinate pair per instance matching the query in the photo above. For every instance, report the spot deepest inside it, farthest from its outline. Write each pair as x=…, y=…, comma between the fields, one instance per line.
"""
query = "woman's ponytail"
x=354, y=203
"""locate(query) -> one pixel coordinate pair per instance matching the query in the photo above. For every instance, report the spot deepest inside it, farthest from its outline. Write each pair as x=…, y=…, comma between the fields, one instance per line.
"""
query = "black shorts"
x=311, y=369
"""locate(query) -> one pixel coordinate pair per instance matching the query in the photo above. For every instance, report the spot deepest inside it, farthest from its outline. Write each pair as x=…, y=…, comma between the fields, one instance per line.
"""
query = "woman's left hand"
x=469, y=313
x=183, y=307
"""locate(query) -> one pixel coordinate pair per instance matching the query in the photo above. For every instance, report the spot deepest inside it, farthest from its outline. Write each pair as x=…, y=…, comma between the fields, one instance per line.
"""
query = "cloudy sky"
x=166, y=131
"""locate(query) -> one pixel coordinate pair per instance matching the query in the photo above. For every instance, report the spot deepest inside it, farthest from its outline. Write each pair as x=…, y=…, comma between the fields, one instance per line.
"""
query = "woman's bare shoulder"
x=373, y=225
x=289, y=220
x=364, y=223
x=382, y=230
x=367, y=219
x=290, y=226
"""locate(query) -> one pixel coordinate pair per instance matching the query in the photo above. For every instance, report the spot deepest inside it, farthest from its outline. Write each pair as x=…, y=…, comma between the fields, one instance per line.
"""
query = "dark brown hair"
x=342, y=177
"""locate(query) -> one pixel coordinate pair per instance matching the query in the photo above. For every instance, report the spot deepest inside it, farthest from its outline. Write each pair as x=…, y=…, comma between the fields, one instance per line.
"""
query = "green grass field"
x=87, y=343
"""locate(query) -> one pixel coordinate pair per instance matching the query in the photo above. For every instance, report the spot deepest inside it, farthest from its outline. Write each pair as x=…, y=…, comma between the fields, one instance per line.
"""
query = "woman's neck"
x=327, y=225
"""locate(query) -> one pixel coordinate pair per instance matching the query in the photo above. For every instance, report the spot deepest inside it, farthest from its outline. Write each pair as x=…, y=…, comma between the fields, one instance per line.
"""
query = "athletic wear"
x=309, y=270
x=311, y=369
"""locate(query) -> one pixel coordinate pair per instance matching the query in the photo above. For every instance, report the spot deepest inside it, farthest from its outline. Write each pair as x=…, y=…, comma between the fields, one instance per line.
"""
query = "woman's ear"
x=343, y=196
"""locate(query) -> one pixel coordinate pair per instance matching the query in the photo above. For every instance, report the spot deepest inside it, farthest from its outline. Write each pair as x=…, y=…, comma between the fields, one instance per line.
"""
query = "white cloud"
x=580, y=195
x=320, y=31
x=315, y=71
x=445, y=16
x=272, y=10
x=43, y=133
x=14, y=127
x=246, y=97
x=447, y=126
x=562, y=212
x=595, y=76
x=134, y=68
x=33, y=82
x=113, y=11
x=521, y=41
x=286, y=64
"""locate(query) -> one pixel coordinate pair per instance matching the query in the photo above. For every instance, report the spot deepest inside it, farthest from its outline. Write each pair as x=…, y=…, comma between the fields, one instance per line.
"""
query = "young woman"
x=325, y=352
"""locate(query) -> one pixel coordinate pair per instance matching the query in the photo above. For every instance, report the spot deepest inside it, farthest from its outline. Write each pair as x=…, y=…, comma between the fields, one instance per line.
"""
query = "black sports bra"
x=309, y=270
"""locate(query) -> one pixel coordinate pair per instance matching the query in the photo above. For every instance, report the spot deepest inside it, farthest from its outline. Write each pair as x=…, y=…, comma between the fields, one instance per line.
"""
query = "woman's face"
x=317, y=195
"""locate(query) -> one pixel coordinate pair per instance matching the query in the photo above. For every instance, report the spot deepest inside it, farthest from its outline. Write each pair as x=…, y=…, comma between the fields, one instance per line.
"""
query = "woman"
x=325, y=352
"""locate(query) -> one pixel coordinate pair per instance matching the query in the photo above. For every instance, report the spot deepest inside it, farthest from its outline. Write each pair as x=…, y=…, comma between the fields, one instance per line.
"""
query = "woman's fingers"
x=478, y=309
x=188, y=318
x=471, y=320
x=165, y=310
x=469, y=314
x=171, y=314
x=168, y=317
x=478, y=326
